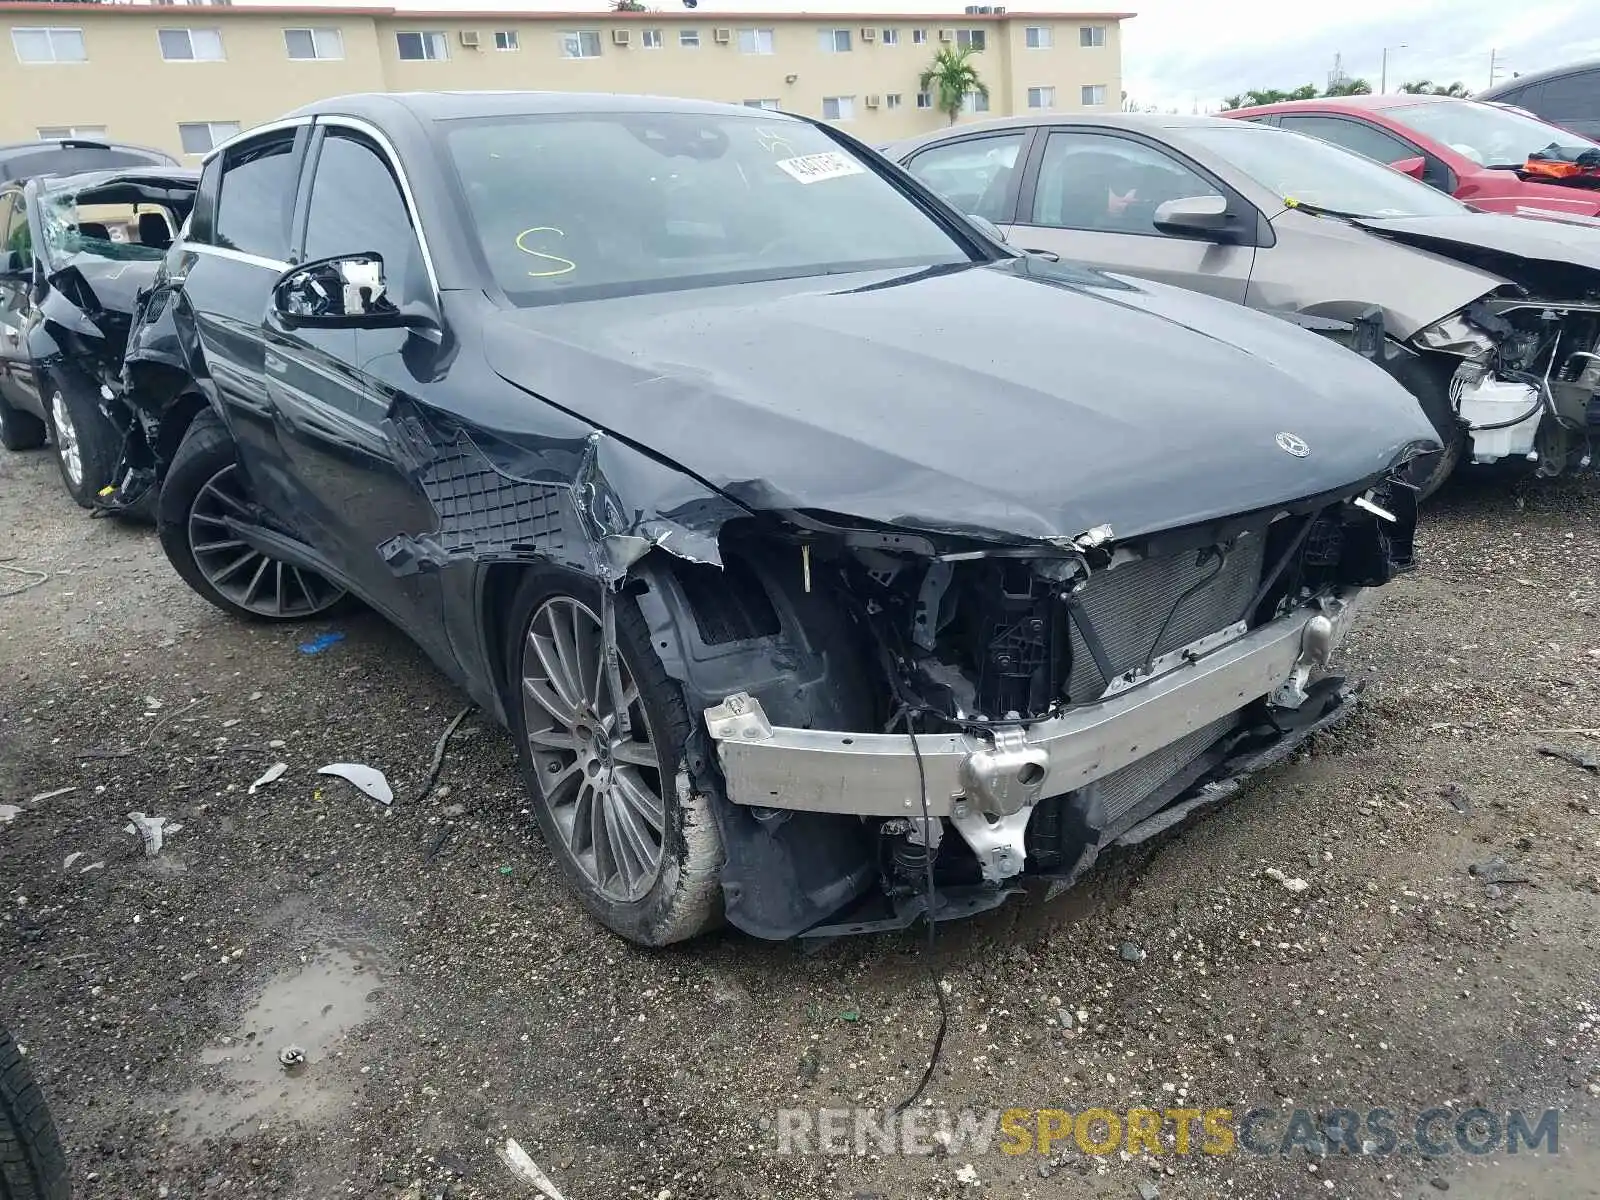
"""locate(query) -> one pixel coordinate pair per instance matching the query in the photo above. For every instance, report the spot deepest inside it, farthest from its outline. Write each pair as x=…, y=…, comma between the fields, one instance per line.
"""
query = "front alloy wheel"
x=602, y=784
x=67, y=441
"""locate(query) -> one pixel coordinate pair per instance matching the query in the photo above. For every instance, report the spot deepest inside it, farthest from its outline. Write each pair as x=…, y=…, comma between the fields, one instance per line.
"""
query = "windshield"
x=123, y=232
x=1485, y=133
x=1307, y=170
x=579, y=206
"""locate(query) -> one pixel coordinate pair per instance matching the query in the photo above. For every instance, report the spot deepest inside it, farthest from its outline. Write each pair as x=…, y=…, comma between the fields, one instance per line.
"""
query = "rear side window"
x=1352, y=135
x=256, y=199
x=16, y=243
x=975, y=174
x=1574, y=97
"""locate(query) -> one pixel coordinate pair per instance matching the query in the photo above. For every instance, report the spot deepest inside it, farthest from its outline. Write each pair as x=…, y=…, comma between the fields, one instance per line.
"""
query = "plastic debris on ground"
x=291, y=1057
x=8, y=813
x=1584, y=761
x=271, y=774
x=66, y=863
x=524, y=1168
x=368, y=779
x=43, y=796
x=152, y=831
x=320, y=643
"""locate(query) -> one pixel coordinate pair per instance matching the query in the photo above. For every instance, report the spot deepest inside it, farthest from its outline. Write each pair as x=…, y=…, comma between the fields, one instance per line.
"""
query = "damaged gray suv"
x=830, y=564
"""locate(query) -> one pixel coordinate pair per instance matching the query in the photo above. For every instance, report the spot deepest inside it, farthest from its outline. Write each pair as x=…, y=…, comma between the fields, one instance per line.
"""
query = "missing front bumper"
x=996, y=780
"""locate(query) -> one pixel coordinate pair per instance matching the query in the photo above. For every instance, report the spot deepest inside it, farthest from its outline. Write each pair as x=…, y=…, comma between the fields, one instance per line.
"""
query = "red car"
x=1491, y=156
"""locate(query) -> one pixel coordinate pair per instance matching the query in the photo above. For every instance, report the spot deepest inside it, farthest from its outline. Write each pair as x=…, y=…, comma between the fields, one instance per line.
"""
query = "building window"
x=891, y=37
x=834, y=41
x=314, y=43
x=198, y=137
x=190, y=45
x=892, y=100
x=755, y=41
x=1042, y=97
x=838, y=108
x=1094, y=95
x=651, y=39
x=976, y=39
x=506, y=39
x=581, y=43
x=430, y=45
x=49, y=45
x=50, y=133
x=769, y=105
x=689, y=38
x=1091, y=36
x=919, y=36
x=924, y=99
x=975, y=102
x=1038, y=37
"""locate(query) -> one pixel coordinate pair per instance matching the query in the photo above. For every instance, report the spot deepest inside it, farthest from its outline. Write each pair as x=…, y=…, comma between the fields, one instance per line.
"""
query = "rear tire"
x=32, y=1165
x=203, y=485
x=20, y=430
x=86, y=443
x=646, y=864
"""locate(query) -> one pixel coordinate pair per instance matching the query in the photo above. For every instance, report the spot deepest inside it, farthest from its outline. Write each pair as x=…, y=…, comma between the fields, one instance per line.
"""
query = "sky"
x=1188, y=54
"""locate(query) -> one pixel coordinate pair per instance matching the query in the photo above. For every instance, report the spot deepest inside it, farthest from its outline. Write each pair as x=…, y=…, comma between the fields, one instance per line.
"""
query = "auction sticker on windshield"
x=814, y=168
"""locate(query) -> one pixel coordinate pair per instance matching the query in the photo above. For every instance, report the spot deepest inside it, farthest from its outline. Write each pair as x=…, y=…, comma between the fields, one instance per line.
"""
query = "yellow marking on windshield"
x=567, y=265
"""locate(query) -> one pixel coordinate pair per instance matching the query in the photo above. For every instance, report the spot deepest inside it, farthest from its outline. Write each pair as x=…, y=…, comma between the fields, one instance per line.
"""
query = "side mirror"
x=989, y=228
x=347, y=291
x=1195, y=216
x=1413, y=166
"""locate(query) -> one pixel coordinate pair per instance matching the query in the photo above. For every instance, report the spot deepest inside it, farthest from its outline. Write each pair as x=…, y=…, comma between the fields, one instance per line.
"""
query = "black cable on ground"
x=932, y=896
x=438, y=753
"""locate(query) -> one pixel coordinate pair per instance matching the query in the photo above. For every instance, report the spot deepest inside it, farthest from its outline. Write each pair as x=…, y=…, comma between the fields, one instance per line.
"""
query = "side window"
x=975, y=175
x=1109, y=184
x=15, y=237
x=1571, y=98
x=256, y=200
x=356, y=205
x=1365, y=140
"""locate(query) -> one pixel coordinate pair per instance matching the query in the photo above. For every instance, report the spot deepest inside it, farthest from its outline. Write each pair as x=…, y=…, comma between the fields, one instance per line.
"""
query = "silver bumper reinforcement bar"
x=969, y=773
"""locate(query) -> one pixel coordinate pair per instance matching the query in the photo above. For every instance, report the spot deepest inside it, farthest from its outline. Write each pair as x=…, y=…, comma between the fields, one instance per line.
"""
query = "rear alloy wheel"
x=203, y=488
x=261, y=586
x=641, y=851
x=86, y=445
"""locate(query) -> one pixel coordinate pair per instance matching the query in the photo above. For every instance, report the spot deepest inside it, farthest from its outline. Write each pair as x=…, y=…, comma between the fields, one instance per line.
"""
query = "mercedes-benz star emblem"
x=1292, y=444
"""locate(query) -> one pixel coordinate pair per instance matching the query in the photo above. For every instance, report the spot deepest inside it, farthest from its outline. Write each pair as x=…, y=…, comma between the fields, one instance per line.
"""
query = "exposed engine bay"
x=1529, y=385
x=1038, y=704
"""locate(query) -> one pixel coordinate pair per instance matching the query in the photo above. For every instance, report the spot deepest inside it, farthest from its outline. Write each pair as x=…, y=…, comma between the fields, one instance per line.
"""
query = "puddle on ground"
x=314, y=1007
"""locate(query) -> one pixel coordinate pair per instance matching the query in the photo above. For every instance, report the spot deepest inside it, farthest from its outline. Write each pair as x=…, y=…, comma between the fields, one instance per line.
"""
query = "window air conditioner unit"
x=619, y=37
x=724, y=36
x=469, y=38
x=868, y=35
x=872, y=101
x=947, y=35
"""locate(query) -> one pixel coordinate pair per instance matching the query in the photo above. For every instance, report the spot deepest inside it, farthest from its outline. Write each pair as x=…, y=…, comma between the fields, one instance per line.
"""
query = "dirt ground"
x=447, y=994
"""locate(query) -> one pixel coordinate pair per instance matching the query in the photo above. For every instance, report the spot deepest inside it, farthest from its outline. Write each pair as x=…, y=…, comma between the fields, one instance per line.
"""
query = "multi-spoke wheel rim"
x=601, y=786
x=67, y=439
x=240, y=572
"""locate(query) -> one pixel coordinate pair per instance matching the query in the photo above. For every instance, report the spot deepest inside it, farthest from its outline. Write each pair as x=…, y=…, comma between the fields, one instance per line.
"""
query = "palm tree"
x=1426, y=87
x=952, y=75
x=1350, y=87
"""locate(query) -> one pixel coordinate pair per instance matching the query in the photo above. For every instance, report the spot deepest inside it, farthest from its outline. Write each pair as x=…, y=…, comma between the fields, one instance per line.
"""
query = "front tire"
x=642, y=853
x=32, y=1165
x=203, y=488
x=86, y=443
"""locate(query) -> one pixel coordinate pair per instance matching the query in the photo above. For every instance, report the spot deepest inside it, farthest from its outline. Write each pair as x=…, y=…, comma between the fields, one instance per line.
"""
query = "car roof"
x=1151, y=123
x=1355, y=103
x=447, y=106
x=1522, y=81
x=50, y=156
x=82, y=180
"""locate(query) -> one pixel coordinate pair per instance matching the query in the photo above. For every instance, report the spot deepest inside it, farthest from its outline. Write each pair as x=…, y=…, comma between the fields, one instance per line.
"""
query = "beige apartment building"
x=185, y=77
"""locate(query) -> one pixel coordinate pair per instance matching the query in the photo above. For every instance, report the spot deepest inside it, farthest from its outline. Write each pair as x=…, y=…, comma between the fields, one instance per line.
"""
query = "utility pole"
x=1493, y=69
x=1383, y=77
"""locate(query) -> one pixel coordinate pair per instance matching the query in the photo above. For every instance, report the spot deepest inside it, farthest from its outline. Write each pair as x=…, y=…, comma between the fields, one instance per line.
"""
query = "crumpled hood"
x=96, y=297
x=1522, y=248
x=1016, y=399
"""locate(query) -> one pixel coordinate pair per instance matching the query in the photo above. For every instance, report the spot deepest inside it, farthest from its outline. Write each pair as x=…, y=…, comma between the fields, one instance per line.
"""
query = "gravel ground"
x=448, y=994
